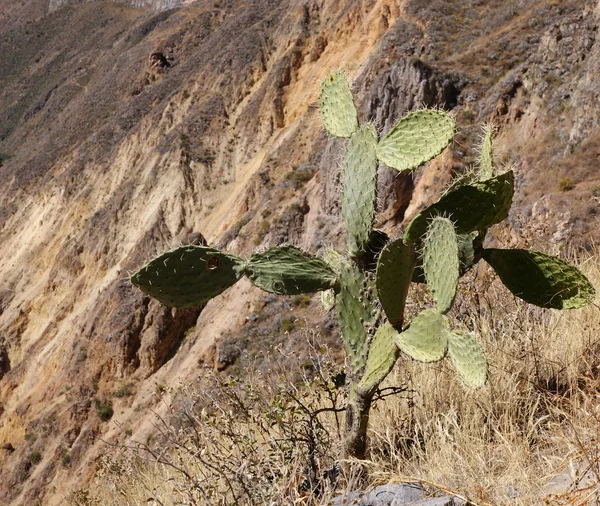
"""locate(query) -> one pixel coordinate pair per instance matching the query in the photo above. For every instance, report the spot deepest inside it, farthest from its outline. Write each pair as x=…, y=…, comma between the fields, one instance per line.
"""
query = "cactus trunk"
x=357, y=421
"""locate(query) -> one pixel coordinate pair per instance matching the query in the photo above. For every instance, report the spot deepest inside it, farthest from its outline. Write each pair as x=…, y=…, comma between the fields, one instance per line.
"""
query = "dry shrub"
x=264, y=440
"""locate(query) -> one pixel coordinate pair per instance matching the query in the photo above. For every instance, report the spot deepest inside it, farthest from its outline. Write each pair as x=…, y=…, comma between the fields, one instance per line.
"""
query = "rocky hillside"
x=128, y=128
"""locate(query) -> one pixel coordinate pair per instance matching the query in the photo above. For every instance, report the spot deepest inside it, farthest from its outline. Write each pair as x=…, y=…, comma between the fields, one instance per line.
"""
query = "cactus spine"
x=369, y=286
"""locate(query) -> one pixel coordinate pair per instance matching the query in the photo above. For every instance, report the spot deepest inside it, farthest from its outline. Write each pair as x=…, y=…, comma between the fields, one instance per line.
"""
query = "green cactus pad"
x=393, y=276
x=354, y=305
x=470, y=207
x=383, y=354
x=486, y=170
x=441, y=263
x=416, y=138
x=188, y=276
x=541, y=279
x=468, y=358
x=337, y=106
x=287, y=270
x=426, y=338
x=359, y=188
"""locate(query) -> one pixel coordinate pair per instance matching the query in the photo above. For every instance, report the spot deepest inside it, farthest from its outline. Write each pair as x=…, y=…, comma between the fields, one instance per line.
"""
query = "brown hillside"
x=125, y=131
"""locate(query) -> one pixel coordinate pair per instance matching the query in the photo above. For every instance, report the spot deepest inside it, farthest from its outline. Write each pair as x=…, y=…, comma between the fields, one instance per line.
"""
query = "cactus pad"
x=337, y=106
x=541, y=279
x=354, y=305
x=416, y=138
x=188, y=276
x=287, y=270
x=441, y=262
x=394, y=272
x=486, y=170
x=468, y=358
x=383, y=354
x=471, y=207
x=426, y=339
x=359, y=188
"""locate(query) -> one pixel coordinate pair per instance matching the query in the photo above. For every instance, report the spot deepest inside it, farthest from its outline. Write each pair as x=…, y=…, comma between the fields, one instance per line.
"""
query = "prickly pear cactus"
x=441, y=262
x=468, y=358
x=415, y=139
x=359, y=188
x=370, y=285
x=541, y=279
x=426, y=339
x=383, y=354
x=357, y=313
x=394, y=273
x=189, y=275
x=287, y=270
x=486, y=155
x=337, y=106
x=471, y=207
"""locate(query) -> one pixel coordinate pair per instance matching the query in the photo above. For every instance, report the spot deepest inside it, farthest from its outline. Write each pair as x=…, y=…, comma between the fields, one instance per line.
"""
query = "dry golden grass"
x=530, y=436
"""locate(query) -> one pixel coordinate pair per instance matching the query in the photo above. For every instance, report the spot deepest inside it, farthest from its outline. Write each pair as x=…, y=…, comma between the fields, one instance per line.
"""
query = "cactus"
x=287, y=270
x=356, y=313
x=426, y=339
x=441, y=262
x=337, y=106
x=416, y=139
x=383, y=354
x=467, y=357
x=471, y=207
x=369, y=286
x=486, y=154
x=359, y=188
x=394, y=273
x=540, y=279
x=189, y=275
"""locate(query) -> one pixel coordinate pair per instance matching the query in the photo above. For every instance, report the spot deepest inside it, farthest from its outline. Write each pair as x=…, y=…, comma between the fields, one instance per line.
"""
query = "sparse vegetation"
x=104, y=409
x=565, y=184
x=125, y=390
x=288, y=324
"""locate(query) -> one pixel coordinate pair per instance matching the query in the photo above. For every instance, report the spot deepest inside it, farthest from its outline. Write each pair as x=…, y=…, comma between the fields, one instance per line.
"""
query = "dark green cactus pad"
x=541, y=279
x=356, y=314
x=441, y=263
x=377, y=241
x=393, y=276
x=188, y=276
x=287, y=270
x=426, y=339
x=337, y=106
x=471, y=207
x=486, y=169
x=383, y=354
x=468, y=358
x=359, y=188
x=466, y=250
x=416, y=138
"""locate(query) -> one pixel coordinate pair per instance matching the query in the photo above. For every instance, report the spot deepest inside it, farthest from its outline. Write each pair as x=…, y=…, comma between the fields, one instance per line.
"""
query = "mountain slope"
x=127, y=131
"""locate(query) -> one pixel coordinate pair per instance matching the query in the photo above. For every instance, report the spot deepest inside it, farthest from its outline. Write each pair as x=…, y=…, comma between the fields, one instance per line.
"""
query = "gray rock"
x=384, y=495
x=404, y=494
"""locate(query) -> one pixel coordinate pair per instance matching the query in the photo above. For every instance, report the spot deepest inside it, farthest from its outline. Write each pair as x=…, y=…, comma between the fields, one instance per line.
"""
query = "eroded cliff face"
x=127, y=131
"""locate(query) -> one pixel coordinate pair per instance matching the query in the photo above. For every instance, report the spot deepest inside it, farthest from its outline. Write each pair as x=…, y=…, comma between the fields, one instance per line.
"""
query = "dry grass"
x=536, y=417
x=530, y=436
